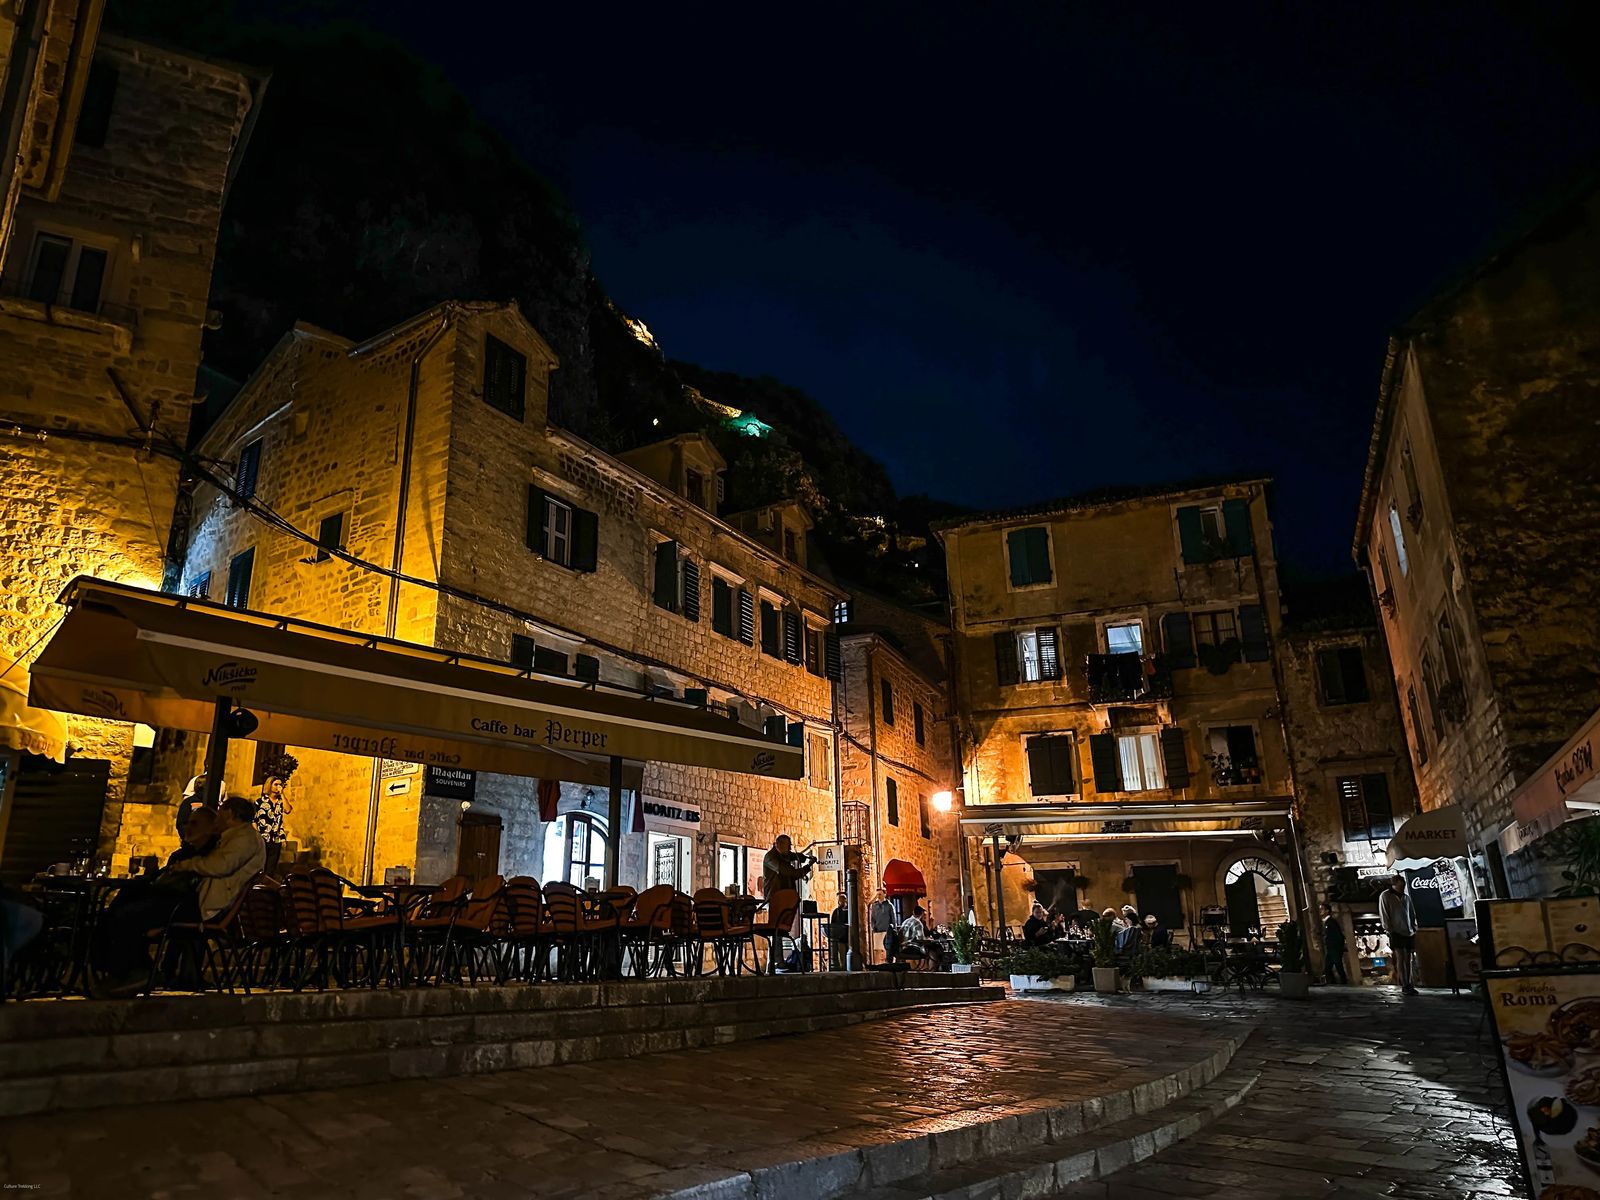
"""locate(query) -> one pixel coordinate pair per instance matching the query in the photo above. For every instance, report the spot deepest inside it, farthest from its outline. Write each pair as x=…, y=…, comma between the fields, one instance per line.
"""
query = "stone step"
x=1015, y=1155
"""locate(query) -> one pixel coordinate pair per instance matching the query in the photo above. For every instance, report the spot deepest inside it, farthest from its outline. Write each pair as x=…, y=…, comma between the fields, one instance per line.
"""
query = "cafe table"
x=73, y=906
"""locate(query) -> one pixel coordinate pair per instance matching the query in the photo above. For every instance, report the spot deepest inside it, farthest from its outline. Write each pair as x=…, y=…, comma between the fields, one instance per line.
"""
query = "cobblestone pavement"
x=1362, y=1093
x=617, y=1129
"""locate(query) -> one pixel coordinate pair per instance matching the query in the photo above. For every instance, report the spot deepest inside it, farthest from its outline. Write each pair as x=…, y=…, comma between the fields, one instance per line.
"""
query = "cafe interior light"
x=943, y=801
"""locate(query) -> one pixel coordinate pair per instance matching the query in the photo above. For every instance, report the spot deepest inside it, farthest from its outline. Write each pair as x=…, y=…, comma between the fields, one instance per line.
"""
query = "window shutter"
x=1177, y=640
x=832, y=656
x=1175, y=757
x=1253, y=633
x=666, y=583
x=1017, y=552
x=94, y=113
x=522, y=651
x=1236, y=520
x=917, y=729
x=1190, y=537
x=1331, y=675
x=1352, y=808
x=791, y=637
x=1050, y=766
x=813, y=640
x=1107, y=762
x=1005, y=657
x=747, y=618
x=1380, y=812
x=585, y=540
x=1038, y=542
x=886, y=693
x=549, y=662
x=1049, y=653
x=771, y=643
x=587, y=666
x=239, y=571
x=691, y=590
x=536, y=521
x=249, y=470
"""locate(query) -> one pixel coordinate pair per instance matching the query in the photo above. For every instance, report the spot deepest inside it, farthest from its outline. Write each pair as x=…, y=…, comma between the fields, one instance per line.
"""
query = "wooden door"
x=478, y=854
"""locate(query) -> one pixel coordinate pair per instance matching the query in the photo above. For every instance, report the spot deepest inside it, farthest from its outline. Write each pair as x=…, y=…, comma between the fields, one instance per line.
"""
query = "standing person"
x=1333, y=946
x=273, y=806
x=1399, y=918
x=838, y=935
x=193, y=798
x=1036, y=929
x=880, y=918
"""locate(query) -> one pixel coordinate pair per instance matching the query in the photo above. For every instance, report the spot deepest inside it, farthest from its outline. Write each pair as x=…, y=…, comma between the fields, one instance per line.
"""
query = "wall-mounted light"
x=465, y=805
x=943, y=801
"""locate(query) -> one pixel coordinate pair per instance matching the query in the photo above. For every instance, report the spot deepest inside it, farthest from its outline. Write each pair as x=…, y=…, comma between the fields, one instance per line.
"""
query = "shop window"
x=505, y=377
x=1028, y=556
x=733, y=867
x=1051, y=764
x=1341, y=675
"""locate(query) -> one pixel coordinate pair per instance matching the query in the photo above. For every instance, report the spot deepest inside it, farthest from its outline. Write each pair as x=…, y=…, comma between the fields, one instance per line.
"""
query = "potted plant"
x=964, y=935
x=1105, y=955
x=1293, y=978
x=1167, y=969
x=1032, y=970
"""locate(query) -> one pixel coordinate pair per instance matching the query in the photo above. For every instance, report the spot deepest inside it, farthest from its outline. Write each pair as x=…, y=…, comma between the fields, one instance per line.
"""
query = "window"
x=1430, y=691
x=557, y=531
x=814, y=650
x=1340, y=674
x=505, y=375
x=549, y=662
x=562, y=533
x=1038, y=655
x=819, y=762
x=50, y=256
x=99, y=93
x=721, y=606
x=575, y=849
x=891, y=795
x=886, y=693
x=330, y=535
x=1383, y=573
x=1419, y=740
x=733, y=866
x=917, y=730
x=1231, y=751
x=1140, y=758
x=1029, y=553
x=771, y=642
x=922, y=815
x=1125, y=637
x=1211, y=532
x=200, y=587
x=1211, y=526
x=1449, y=652
x=239, y=569
x=248, y=472
x=1051, y=764
x=694, y=486
x=841, y=612
x=667, y=578
x=668, y=858
x=1408, y=469
x=791, y=545
x=1214, y=628
x=67, y=273
x=522, y=651
x=1365, y=807
x=1399, y=537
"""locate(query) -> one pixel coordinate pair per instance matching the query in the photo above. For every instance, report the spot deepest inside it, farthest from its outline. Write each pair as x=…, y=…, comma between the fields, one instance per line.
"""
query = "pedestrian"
x=1333, y=946
x=838, y=935
x=880, y=916
x=1399, y=918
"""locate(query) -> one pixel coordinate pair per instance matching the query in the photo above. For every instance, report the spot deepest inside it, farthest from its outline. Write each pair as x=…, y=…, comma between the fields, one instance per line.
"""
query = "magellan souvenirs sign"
x=141, y=656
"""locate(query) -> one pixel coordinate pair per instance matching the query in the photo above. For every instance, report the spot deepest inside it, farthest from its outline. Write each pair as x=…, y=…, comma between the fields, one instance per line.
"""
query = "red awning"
x=900, y=878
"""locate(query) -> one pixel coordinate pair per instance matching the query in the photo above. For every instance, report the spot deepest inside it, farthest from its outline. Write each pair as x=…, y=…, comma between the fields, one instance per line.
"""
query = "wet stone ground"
x=1362, y=1093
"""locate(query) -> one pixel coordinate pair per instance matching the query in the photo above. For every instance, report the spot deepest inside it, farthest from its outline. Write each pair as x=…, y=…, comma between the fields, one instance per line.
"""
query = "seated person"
x=914, y=940
x=1155, y=932
x=1128, y=938
x=1036, y=929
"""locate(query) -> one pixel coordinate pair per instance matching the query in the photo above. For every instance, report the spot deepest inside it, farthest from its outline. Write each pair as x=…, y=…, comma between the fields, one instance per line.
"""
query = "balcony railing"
x=1127, y=678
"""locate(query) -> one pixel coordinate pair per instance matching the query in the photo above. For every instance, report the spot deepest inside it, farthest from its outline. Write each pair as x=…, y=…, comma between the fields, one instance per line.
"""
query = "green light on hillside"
x=749, y=425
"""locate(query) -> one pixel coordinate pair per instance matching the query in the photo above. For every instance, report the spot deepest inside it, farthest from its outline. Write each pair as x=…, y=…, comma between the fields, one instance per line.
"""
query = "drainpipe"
x=872, y=756
x=397, y=560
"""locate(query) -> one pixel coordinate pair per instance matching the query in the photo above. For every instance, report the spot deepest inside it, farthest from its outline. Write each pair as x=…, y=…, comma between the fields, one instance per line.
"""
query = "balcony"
x=1127, y=679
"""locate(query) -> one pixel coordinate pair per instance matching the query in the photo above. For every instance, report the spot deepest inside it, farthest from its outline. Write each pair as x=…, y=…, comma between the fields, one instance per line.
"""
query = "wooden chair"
x=641, y=931
x=480, y=924
x=527, y=935
x=776, y=922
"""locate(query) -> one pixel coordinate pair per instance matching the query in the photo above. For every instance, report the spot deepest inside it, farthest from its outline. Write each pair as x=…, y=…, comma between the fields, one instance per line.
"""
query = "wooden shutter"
x=1107, y=762
x=1049, y=653
x=747, y=618
x=536, y=521
x=585, y=540
x=1330, y=674
x=1253, y=633
x=1190, y=538
x=1177, y=640
x=1236, y=520
x=1038, y=543
x=1017, y=552
x=791, y=637
x=833, y=656
x=1353, y=808
x=813, y=651
x=504, y=377
x=586, y=666
x=886, y=695
x=1005, y=657
x=1175, y=757
x=666, y=581
x=522, y=649
x=249, y=470
x=721, y=607
x=240, y=568
x=1050, y=766
x=691, y=590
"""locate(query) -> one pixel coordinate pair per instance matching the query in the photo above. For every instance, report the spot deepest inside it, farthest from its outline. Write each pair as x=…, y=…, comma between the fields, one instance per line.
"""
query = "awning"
x=1427, y=836
x=23, y=727
x=1132, y=820
x=133, y=655
x=900, y=878
x=1566, y=786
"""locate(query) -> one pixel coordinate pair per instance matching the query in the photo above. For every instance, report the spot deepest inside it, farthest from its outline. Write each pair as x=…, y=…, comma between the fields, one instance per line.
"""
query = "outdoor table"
x=406, y=899
x=59, y=959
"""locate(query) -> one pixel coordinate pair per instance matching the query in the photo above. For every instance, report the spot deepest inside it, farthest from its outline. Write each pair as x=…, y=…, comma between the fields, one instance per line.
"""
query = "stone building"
x=106, y=244
x=1479, y=518
x=412, y=485
x=1119, y=704
x=895, y=750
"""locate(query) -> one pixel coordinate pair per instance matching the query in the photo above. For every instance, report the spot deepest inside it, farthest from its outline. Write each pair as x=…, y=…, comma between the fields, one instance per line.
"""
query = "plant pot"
x=1200, y=986
x=963, y=968
x=1030, y=983
x=1105, y=979
x=1171, y=983
x=1065, y=983
x=1295, y=985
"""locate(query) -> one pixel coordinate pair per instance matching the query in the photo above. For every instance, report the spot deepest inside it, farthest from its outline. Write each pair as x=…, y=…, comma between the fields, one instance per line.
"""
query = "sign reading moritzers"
x=451, y=783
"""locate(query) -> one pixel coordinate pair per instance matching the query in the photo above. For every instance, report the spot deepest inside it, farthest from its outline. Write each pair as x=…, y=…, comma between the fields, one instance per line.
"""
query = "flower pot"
x=1030, y=983
x=1105, y=979
x=1065, y=983
x=963, y=968
x=1171, y=983
x=1295, y=985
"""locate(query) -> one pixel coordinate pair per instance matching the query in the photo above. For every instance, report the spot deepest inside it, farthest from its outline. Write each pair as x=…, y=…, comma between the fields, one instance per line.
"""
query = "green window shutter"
x=585, y=540
x=1039, y=555
x=1331, y=676
x=886, y=707
x=1236, y=520
x=1175, y=757
x=1253, y=633
x=771, y=643
x=1050, y=770
x=721, y=607
x=1177, y=640
x=1189, y=536
x=1005, y=658
x=1107, y=762
x=1017, y=552
x=691, y=590
x=666, y=585
x=1049, y=653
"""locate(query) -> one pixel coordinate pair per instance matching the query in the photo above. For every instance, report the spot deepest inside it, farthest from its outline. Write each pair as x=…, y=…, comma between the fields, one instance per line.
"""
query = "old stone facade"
x=1122, y=655
x=103, y=292
x=521, y=543
x=1479, y=511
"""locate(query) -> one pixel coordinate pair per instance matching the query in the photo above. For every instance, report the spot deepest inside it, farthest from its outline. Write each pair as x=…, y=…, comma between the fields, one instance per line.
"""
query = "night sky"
x=1020, y=251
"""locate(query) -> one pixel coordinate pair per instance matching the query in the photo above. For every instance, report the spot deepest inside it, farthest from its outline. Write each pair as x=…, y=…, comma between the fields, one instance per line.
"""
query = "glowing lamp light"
x=943, y=801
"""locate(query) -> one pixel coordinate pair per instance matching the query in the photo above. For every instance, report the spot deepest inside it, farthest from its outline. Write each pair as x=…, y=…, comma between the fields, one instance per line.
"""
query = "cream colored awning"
x=23, y=727
x=133, y=655
x=1132, y=820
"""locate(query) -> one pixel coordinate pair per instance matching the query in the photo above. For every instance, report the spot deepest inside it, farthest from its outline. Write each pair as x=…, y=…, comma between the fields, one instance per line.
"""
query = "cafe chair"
x=480, y=926
x=641, y=932
x=526, y=941
x=201, y=946
x=773, y=925
x=429, y=932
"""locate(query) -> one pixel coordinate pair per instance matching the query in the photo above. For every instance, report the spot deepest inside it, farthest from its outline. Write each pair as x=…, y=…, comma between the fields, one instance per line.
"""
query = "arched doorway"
x=575, y=849
x=1256, y=894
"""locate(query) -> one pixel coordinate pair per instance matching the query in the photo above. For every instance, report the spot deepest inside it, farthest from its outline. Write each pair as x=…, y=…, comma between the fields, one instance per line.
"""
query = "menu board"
x=1461, y=936
x=1526, y=933
x=1518, y=931
x=1548, y=1028
x=1574, y=927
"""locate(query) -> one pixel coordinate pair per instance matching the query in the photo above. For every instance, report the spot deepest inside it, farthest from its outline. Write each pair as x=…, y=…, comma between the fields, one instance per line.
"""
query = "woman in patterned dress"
x=273, y=806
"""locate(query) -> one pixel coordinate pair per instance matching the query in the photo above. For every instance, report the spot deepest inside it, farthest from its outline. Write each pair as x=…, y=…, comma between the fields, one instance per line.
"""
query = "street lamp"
x=943, y=801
